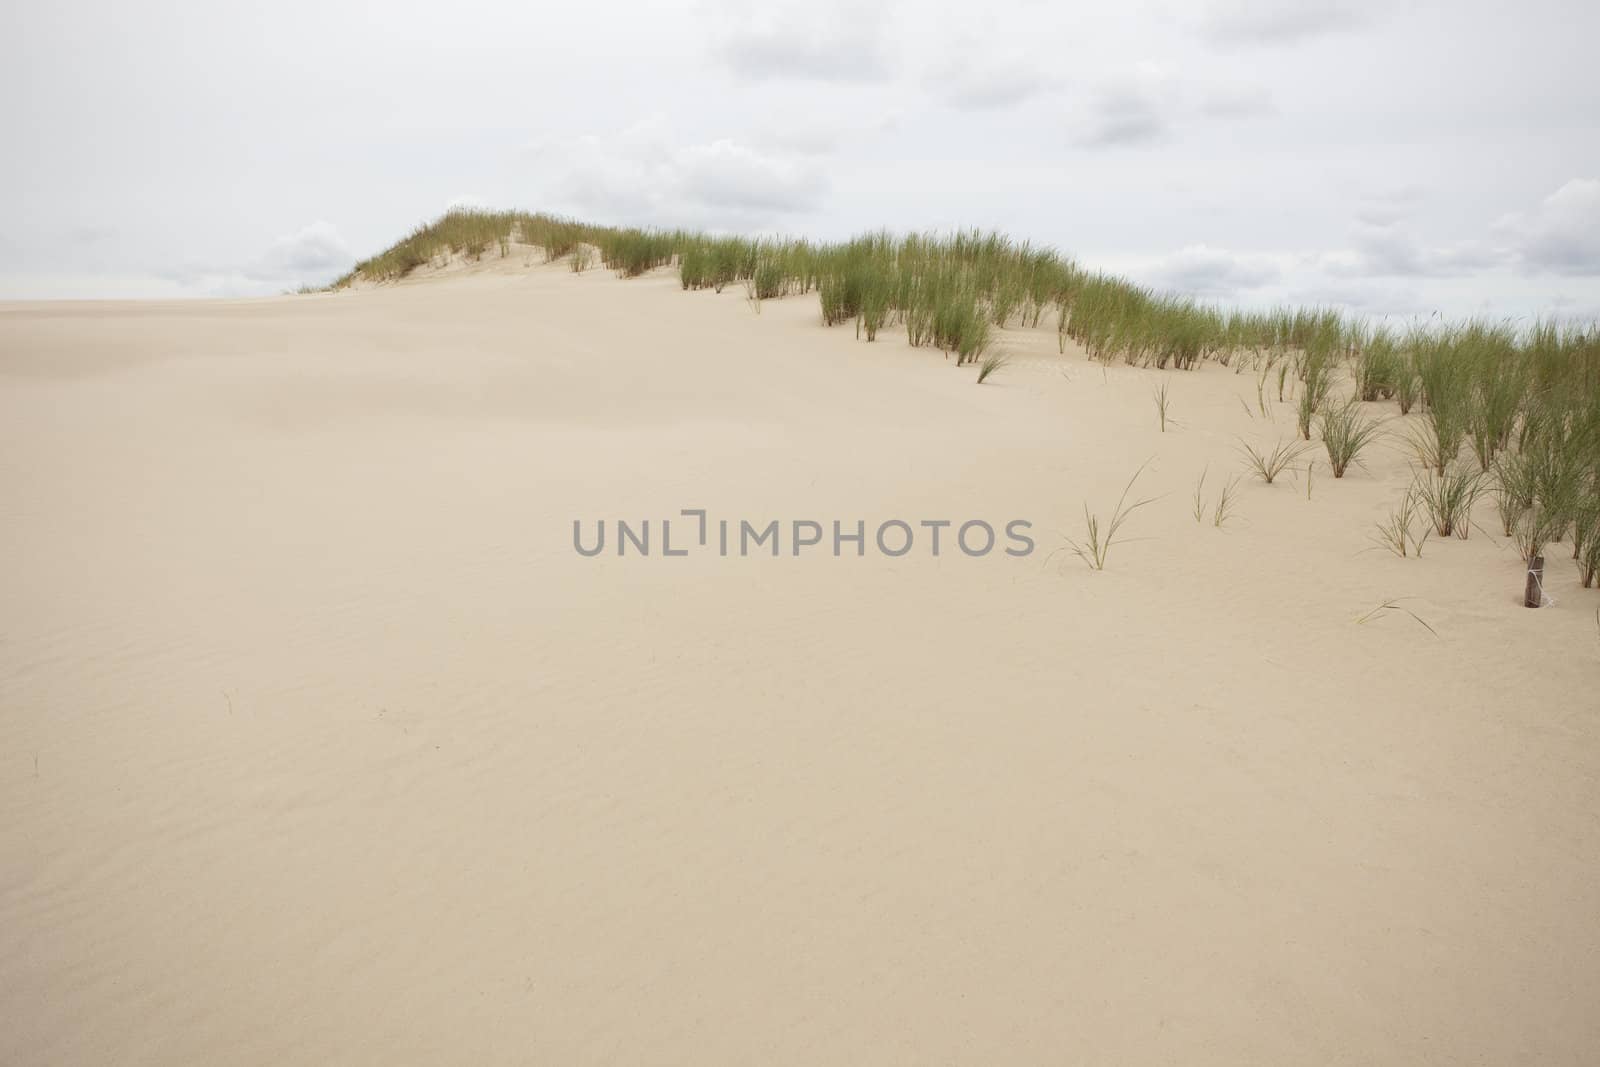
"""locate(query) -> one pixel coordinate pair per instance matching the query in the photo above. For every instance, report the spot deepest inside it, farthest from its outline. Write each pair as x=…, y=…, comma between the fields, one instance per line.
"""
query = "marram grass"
x=1487, y=406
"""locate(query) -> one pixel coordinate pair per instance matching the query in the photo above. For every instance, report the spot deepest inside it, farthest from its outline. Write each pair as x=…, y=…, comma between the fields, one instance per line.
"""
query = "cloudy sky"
x=1394, y=158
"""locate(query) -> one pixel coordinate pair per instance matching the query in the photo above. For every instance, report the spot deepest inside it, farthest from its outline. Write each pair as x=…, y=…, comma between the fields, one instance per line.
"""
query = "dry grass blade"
x=1225, y=503
x=1394, y=605
x=1163, y=406
x=1100, y=537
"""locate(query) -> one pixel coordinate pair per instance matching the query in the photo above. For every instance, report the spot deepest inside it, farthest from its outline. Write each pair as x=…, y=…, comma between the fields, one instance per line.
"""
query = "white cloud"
x=644, y=175
x=1236, y=102
x=1134, y=110
x=1562, y=234
x=812, y=40
x=811, y=135
x=310, y=252
x=1146, y=105
x=1363, y=296
x=313, y=255
x=1201, y=270
x=970, y=78
x=1390, y=251
x=1281, y=21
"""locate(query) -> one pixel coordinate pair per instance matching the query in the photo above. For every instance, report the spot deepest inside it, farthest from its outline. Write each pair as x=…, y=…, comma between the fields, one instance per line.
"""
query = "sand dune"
x=320, y=744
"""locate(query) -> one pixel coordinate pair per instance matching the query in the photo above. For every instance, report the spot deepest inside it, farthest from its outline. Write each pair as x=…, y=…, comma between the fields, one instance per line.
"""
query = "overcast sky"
x=1394, y=158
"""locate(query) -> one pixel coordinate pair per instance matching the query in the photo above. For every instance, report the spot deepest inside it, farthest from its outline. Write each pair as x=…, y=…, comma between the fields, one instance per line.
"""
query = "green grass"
x=1100, y=536
x=1401, y=533
x=1269, y=463
x=1524, y=399
x=1377, y=367
x=1163, y=404
x=1227, y=500
x=1345, y=433
x=1447, y=499
x=991, y=363
x=1490, y=406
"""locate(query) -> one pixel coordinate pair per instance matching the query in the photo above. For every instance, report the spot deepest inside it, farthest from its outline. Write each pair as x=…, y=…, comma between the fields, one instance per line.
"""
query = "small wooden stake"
x=1533, y=596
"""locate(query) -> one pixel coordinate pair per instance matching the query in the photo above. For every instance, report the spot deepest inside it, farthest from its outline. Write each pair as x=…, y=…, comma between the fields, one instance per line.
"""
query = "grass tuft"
x=1400, y=533
x=1100, y=537
x=991, y=363
x=1268, y=464
x=1345, y=433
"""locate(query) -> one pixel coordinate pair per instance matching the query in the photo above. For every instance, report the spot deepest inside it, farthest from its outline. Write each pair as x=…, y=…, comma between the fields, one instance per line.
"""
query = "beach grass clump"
x=1500, y=388
x=1100, y=537
x=1497, y=385
x=991, y=363
x=1447, y=498
x=1378, y=366
x=1402, y=533
x=1536, y=528
x=1514, y=488
x=1269, y=463
x=633, y=252
x=1316, y=382
x=1345, y=433
x=1586, y=540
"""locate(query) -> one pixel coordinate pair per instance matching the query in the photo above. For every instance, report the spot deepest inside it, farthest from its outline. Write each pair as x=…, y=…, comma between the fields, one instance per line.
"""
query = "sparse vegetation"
x=991, y=363
x=1394, y=605
x=1226, y=501
x=1268, y=464
x=1163, y=403
x=1524, y=400
x=1447, y=499
x=1345, y=432
x=1400, y=533
x=1100, y=537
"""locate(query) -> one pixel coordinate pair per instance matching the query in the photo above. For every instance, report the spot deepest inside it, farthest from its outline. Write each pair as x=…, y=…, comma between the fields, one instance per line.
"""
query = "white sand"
x=319, y=743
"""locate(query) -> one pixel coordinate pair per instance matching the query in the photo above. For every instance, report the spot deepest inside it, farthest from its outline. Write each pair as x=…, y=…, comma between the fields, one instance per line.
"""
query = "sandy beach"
x=320, y=743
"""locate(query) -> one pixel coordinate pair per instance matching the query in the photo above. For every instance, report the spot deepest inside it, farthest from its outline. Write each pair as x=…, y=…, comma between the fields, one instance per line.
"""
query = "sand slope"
x=319, y=743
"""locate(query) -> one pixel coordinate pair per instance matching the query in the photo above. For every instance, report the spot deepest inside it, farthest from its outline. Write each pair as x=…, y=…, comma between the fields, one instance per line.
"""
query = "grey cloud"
x=644, y=175
x=1147, y=106
x=1562, y=234
x=995, y=83
x=1391, y=252
x=814, y=41
x=92, y=234
x=1281, y=21
x=1126, y=116
x=313, y=250
x=1237, y=102
x=725, y=173
x=1199, y=270
x=313, y=255
x=1364, y=297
